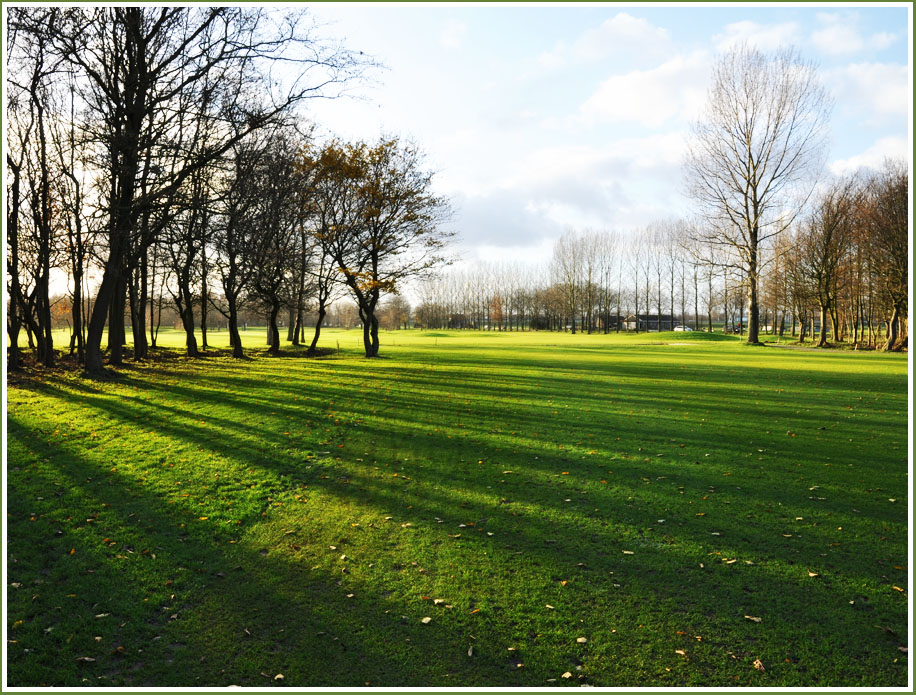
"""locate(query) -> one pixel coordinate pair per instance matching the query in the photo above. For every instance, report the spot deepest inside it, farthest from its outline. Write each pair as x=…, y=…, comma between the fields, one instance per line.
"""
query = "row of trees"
x=840, y=267
x=162, y=150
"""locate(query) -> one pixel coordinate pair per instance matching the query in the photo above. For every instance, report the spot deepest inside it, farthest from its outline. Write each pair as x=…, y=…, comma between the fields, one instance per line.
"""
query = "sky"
x=540, y=118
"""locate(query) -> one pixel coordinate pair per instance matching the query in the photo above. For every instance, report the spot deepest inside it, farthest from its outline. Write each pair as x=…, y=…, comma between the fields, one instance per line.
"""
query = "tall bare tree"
x=755, y=152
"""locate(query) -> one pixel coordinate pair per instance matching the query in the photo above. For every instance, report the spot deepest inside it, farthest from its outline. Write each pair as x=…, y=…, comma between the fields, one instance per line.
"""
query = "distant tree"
x=826, y=238
x=884, y=215
x=567, y=271
x=758, y=143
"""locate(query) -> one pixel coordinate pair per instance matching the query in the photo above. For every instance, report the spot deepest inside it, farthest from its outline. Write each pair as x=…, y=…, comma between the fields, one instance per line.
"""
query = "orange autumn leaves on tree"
x=374, y=215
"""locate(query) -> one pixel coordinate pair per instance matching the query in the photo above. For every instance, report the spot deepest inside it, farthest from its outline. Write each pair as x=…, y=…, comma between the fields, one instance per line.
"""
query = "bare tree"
x=140, y=68
x=885, y=216
x=567, y=268
x=759, y=142
x=826, y=237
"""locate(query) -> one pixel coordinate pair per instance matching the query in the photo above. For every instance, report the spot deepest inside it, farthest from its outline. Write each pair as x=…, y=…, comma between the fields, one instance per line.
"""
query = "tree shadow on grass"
x=661, y=584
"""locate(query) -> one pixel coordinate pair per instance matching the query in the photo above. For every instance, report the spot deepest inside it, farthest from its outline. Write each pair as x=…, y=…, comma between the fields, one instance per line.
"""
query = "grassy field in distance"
x=472, y=509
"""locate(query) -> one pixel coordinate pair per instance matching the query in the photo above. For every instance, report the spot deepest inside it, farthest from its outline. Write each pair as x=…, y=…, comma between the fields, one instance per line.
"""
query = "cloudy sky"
x=537, y=118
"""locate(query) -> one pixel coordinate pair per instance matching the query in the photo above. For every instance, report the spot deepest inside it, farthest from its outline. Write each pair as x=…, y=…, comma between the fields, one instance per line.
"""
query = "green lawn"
x=474, y=509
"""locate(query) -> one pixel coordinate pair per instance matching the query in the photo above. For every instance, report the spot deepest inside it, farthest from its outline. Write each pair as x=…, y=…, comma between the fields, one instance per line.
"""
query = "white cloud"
x=651, y=97
x=622, y=184
x=766, y=37
x=873, y=157
x=882, y=90
x=622, y=33
x=453, y=34
x=840, y=35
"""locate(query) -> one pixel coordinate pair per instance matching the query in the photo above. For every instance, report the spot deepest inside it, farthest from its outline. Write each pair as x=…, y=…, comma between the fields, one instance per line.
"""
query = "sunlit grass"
x=305, y=514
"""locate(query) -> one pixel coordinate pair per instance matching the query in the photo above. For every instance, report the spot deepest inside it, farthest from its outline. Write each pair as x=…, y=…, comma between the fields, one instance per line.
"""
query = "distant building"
x=650, y=322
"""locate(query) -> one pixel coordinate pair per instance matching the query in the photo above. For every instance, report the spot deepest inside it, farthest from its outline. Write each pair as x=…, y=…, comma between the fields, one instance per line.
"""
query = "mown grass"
x=217, y=522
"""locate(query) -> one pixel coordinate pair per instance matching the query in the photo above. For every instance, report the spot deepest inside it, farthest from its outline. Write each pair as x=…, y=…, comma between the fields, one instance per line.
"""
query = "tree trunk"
x=137, y=319
x=14, y=322
x=98, y=317
x=822, y=338
x=204, y=292
x=753, y=304
x=185, y=304
x=235, y=339
x=321, y=314
x=890, y=343
x=273, y=330
x=138, y=312
x=291, y=325
x=116, y=332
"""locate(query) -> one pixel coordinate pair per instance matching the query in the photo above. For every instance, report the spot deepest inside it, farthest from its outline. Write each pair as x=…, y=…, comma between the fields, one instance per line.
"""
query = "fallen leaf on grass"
x=581, y=640
x=471, y=650
x=680, y=651
x=812, y=574
x=546, y=606
x=85, y=659
x=905, y=650
x=754, y=618
x=426, y=620
x=758, y=664
x=628, y=552
x=897, y=588
x=567, y=675
x=438, y=601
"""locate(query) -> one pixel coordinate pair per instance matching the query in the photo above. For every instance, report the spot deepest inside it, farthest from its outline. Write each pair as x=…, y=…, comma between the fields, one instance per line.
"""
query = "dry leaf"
x=85, y=659
x=628, y=552
x=426, y=620
x=758, y=664
x=812, y=574
x=897, y=588
x=680, y=651
x=438, y=601
x=563, y=582
x=471, y=650
x=904, y=649
x=581, y=640
x=549, y=606
x=753, y=618
x=567, y=675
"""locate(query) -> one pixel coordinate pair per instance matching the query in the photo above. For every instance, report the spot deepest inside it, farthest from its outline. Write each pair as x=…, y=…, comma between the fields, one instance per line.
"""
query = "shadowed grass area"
x=215, y=522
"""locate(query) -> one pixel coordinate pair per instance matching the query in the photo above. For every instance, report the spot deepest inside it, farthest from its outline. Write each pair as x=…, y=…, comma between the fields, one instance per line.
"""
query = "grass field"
x=474, y=509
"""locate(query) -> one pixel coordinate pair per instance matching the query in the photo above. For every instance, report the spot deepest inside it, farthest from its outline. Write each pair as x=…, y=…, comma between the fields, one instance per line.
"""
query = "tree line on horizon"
x=835, y=270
